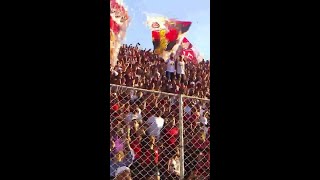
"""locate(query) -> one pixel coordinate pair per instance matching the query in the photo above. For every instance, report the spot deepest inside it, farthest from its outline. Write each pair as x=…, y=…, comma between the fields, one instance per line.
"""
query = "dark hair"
x=145, y=142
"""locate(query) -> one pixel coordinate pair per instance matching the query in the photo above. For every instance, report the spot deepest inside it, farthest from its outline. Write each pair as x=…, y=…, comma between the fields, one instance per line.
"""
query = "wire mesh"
x=196, y=124
x=148, y=135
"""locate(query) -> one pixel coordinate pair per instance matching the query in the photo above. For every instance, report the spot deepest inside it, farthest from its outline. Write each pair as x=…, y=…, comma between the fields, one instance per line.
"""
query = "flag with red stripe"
x=166, y=34
x=189, y=51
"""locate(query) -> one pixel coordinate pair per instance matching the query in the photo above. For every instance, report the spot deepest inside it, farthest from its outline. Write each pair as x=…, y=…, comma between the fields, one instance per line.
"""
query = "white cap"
x=121, y=170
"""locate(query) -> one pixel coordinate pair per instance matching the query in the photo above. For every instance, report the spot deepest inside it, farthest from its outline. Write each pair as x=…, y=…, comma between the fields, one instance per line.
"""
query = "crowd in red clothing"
x=144, y=69
x=149, y=121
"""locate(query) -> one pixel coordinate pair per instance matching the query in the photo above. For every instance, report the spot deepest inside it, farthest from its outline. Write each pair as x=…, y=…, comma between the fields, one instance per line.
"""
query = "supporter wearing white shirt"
x=174, y=165
x=170, y=67
x=155, y=126
x=133, y=115
x=181, y=69
x=204, y=122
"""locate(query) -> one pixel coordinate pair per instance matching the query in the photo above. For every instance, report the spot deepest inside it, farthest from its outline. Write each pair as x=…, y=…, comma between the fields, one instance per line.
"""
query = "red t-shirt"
x=172, y=135
x=146, y=158
x=136, y=147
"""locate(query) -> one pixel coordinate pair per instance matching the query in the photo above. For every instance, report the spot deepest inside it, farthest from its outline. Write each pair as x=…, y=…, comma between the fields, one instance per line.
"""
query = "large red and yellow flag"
x=167, y=34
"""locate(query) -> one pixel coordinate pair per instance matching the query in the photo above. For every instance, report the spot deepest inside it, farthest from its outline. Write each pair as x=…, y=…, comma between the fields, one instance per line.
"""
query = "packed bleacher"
x=144, y=137
x=144, y=69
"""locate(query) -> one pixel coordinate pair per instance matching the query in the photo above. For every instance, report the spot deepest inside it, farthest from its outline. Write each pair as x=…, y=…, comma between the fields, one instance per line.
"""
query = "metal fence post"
x=186, y=160
x=181, y=132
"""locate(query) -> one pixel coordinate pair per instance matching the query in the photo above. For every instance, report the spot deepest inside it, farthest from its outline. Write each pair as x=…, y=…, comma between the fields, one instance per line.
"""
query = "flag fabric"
x=182, y=26
x=189, y=51
x=170, y=37
x=114, y=26
x=157, y=23
x=167, y=34
x=189, y=55
x=119, y=22
x=186, y=44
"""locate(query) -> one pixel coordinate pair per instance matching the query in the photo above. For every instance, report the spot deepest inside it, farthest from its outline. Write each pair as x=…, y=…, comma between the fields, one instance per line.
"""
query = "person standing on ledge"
x=170, y=68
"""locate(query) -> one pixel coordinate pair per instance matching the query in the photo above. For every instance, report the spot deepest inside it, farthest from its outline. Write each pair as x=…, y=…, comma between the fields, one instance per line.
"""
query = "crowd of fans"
x=144, y=69
x=144, y=137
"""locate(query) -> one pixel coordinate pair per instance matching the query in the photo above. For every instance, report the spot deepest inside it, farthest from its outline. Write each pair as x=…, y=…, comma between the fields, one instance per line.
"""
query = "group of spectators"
x=144, y=69
x=144, y=137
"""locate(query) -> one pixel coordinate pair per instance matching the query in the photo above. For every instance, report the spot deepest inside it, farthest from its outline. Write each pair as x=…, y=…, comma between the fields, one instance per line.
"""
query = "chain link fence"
x=158, y=135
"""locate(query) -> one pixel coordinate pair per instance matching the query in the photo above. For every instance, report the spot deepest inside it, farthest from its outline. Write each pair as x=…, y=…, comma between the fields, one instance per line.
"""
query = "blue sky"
x=198, y=12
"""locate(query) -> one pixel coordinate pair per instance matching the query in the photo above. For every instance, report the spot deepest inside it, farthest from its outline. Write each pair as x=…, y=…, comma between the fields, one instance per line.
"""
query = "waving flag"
x=157, y=23
x=119, y=22
x=185, y=44
x=182, y=26
x=189, y=51
x=166, y=34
